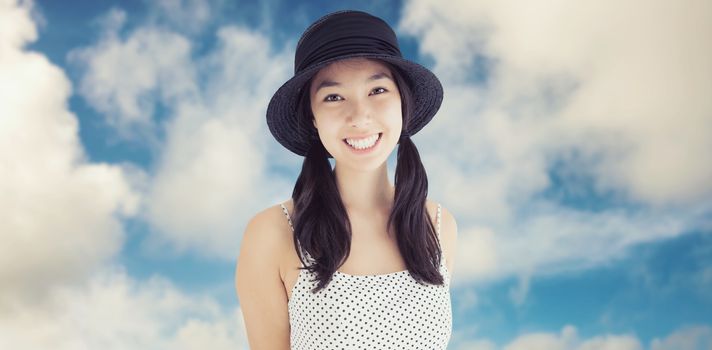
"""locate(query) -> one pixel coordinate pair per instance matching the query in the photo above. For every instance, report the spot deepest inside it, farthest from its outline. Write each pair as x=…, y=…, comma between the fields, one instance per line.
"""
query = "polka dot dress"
x=389, y=311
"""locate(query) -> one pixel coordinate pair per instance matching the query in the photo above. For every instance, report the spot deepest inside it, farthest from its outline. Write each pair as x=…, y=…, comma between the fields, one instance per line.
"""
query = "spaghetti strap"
x=289, y=219
x=438, y=220
x=442, y=249
x=286, y=213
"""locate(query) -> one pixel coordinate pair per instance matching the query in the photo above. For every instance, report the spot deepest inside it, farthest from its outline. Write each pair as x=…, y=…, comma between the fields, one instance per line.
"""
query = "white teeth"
x=364, y=143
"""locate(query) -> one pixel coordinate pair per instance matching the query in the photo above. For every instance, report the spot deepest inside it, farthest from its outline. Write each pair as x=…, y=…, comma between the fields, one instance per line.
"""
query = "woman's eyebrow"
x=328, y=83
x=380, y=75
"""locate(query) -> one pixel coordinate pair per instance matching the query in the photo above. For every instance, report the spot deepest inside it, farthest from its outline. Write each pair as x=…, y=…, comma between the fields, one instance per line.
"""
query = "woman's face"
x=354, y=102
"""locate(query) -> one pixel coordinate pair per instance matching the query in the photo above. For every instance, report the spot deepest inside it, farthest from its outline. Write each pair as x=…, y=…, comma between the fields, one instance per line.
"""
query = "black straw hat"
x=336, y=36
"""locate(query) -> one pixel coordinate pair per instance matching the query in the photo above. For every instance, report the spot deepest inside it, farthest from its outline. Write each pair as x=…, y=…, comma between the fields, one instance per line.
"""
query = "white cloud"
x=694, y=337
x=188, y=15
x=212, y=169
x=685, y=338
x=59, y=222
x=477, y=345
x=518, y=293
x=213, y=173
x=476, y=256
x=567, y=339
x=114, y=311
x=16, y=26
x=611, y=342
x=534, y=341
x=623, y=105
x=58, y=211
x=128, y=80
x=558, y=73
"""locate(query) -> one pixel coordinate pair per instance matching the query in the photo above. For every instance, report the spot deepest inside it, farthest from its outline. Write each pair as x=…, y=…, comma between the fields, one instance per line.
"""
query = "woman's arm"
x=259, y=286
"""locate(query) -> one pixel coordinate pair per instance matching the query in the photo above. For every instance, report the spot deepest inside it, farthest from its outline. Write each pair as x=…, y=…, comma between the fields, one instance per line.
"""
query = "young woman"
x=350, y=261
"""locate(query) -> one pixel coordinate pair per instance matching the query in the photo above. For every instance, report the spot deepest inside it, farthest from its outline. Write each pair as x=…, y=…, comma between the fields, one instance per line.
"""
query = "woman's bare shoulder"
x=448, y=230
x=265, y=242
x=432, y=207
x=445, y=215
x=258, y=280
x=271, y=222
x=449, y=224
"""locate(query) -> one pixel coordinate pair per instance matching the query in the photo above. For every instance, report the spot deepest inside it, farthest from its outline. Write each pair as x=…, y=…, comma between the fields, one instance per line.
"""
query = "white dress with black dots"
x=388, y=311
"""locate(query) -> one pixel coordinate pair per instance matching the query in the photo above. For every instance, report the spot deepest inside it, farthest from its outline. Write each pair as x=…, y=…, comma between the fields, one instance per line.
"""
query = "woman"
x=350, y=261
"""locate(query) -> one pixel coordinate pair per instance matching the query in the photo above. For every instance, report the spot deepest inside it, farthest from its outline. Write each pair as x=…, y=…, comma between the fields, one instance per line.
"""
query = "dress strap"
x=286, y=213
x=442, y=249
x=438, y=220
x=289, y=219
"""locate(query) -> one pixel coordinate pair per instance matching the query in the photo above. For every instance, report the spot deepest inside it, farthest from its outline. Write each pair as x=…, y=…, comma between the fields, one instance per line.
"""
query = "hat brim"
x=297, y=137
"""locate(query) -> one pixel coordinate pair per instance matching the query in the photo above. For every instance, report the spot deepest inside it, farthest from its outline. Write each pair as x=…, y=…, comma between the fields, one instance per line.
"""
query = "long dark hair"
x=322, y=226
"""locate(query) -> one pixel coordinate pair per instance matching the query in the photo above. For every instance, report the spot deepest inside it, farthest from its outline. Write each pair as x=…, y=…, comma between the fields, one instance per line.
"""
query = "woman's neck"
x=365, y=191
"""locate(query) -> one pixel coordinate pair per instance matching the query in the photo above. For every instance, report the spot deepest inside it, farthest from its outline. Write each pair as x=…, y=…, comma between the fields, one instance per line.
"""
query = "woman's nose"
x=359, y=114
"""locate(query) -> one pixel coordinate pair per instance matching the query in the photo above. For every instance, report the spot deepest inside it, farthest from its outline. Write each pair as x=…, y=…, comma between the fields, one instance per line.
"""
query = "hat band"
x=355, y=33
x=336, y=50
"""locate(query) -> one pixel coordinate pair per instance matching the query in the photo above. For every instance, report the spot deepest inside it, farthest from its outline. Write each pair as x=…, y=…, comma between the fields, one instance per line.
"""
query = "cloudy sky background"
x=570, y=147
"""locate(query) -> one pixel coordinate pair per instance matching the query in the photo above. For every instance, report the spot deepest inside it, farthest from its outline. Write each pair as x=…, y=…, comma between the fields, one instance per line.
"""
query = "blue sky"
x=570, y=153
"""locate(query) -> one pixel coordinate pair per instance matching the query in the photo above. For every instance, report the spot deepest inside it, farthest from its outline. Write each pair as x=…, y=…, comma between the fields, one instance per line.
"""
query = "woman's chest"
x=368, y=257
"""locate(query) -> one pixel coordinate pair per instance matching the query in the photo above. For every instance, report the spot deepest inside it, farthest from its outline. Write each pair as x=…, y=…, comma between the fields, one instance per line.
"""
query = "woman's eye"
x=379, y=90
x=332, y=97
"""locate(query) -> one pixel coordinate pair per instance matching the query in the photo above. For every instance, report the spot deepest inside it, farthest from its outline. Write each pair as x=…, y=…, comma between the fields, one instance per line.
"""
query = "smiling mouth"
x=378, y=138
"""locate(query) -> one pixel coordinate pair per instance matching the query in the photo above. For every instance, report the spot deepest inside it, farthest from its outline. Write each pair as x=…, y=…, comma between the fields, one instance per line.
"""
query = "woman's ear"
x=314, y=122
